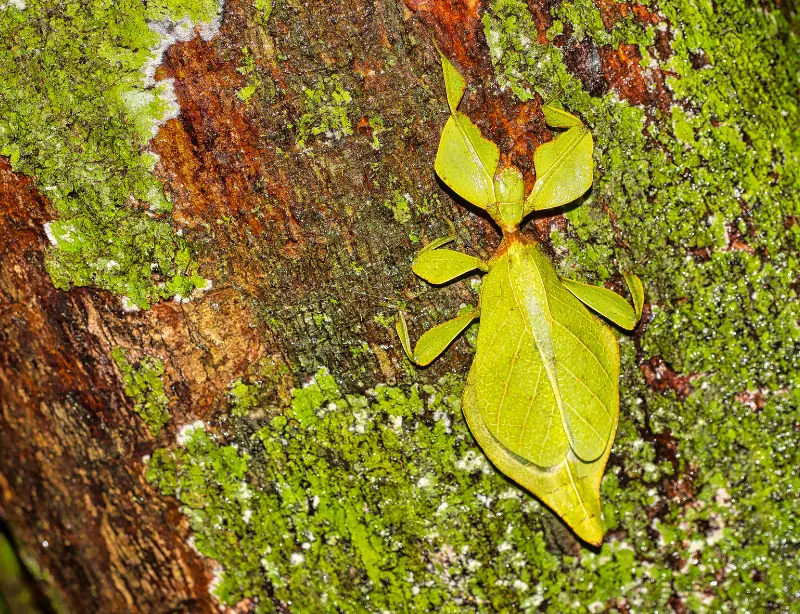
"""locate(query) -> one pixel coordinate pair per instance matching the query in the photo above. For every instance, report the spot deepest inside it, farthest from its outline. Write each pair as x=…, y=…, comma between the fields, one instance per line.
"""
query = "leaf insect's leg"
x=637, y=292
x=558, y=117
x=437, y=243
x=438, y=266
x=609, y=304
x=435, y=341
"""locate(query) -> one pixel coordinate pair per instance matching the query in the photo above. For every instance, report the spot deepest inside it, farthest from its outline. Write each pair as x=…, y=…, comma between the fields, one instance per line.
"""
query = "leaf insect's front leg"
x=609, y=304
x=564, y=166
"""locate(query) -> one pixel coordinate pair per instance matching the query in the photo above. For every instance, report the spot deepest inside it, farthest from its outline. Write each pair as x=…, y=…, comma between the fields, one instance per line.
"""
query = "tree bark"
x=308, y=249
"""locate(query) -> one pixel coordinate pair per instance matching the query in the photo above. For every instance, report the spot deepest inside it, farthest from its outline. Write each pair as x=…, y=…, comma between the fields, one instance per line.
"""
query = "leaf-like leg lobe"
x=606, y=302
x=436, y=340
x=438, y=266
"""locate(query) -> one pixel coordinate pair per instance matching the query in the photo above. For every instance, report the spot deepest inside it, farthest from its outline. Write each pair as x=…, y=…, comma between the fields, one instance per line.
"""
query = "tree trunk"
x=324, y=472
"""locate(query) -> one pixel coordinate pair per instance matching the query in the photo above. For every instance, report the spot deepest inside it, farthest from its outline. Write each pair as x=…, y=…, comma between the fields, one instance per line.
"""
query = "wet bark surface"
x=285, y=234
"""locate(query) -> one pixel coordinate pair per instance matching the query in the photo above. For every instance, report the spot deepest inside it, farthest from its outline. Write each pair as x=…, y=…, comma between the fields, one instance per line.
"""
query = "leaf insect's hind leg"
x=609, y=304
x=437, y=243
x=436, y=340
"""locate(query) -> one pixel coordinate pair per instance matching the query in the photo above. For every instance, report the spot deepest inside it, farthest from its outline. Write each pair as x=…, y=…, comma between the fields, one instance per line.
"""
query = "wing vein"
x=508, y=379
x=588, y=349
x=530, y=407
x=582, y=383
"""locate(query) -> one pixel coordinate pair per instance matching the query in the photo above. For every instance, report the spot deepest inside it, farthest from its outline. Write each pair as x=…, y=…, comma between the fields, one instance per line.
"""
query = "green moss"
x=262, y=389
x=383, y=502
x=76, y=115
x=375, y=503
x=704, y=201
x=249, y=69
x=399, y=205
x=264, y=8
x=143, y=384
x=244, y=397
x=174, y=10
x=378, y=127
x=162, y=470
x=327, y=109
x=507, y=28
x=361, y=349
x=585, y=20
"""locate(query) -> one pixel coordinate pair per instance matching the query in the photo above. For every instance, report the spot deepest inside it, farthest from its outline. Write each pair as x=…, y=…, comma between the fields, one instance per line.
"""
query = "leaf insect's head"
x=467, y=163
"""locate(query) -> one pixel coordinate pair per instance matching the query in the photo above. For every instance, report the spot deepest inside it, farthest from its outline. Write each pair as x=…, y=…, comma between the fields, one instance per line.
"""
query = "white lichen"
x=185, y=432
x=520, y=585
x=50, y=236
x=296, y=558
x=128, y=306
x=13, y=4
x=472, y=462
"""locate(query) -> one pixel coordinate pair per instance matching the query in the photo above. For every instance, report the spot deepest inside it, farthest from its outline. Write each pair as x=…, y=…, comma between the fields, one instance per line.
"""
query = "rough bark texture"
x=304, y=201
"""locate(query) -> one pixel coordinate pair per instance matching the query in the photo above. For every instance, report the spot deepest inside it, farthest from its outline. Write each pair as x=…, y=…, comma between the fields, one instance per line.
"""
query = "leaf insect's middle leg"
x=609, y=304
x=439, y=266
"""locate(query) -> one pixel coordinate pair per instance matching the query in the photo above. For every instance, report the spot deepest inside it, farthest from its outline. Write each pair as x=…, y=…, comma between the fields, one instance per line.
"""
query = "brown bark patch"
x=212, y=158
x=457, y=27
x=612, y=12
x=631, y=81
x=660, y=377
x=71, y=476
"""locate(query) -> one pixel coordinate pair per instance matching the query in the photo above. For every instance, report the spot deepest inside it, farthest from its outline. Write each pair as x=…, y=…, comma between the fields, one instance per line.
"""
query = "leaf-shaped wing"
x=586, y=357
x=563, y=170
x=546, y=371
x=516, y=397
x=542, y=395
x=571, y=488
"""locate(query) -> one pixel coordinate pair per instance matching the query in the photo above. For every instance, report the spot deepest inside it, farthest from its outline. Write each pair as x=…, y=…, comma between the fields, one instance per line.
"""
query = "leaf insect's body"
x=542, y=394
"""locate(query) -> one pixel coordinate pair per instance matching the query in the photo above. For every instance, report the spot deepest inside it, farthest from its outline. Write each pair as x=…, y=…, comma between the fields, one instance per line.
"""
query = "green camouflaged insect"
x=542, y=395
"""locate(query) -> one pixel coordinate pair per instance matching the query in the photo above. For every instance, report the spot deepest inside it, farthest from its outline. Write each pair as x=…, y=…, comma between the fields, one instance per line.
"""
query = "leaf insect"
x=542, y=395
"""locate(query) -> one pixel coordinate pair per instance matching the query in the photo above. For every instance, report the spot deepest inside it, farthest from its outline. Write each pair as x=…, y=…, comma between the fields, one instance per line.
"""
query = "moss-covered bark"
x=263, y=443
